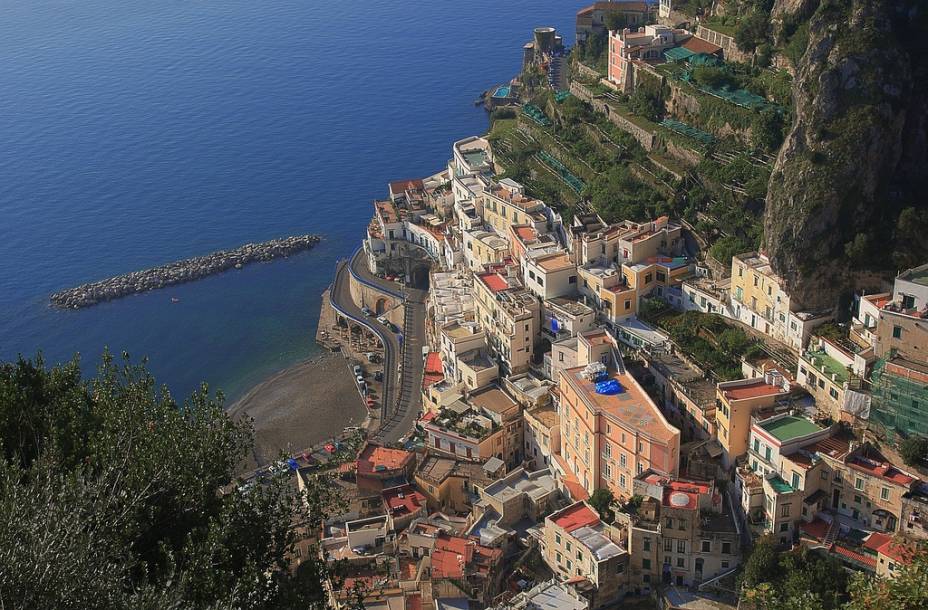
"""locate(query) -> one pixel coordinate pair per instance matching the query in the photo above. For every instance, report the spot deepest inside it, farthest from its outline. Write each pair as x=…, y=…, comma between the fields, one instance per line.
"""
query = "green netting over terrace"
x=739, y=97
x=689, y=131
x=678, y=54
x=535, y=113
x=703, y=59
x=576, y=184
x=560, y=96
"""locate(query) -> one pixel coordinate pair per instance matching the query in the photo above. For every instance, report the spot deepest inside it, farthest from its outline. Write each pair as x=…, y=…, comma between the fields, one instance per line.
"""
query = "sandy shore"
x=300, y=406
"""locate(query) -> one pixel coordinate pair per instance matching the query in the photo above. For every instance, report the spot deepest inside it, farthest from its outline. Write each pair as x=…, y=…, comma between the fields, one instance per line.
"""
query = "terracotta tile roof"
x=675, y=492
x=698, y=45
x=401, y=186
x=858, y=557
x=885, y=544
x=374, y=458
x=494, y=281
x=403, y=500
x=576, y=516
x=884, y=471
x=816, y=528
x=434, y=372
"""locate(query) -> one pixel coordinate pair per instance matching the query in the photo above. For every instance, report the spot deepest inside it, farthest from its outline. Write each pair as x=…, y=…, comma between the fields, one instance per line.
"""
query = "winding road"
x=398, y=411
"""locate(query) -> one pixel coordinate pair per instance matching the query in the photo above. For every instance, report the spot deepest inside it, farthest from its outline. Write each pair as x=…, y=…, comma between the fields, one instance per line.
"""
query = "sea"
x=134, y=133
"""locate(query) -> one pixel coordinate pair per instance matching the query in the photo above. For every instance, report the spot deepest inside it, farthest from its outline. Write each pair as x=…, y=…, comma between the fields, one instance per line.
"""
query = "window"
x=681, y=546
x=858, y=483
x=647, y=577
x=628, y=305
x=706, y=546
x=666, y=560
x=531, y=274
x=572, y=279
x=784, y=510
x=756, y=446
x=646, y=544
x=833, y=393
x=755, y=280
x=661, y=276
x=559, y=558
x=568, y=547
x=579, y=556
x=557, y=539
x=609, y=471
x=646, y=564
x=884, y=493
x=726, y=548
x=682, y=525
x=622, y=480
x=795, y=482
x=619, y=568
x=607, y=450
x=668, y=522
x=681, y=562
x=569, y=564
x=724, y=565
x=897, y=332
x=668, y=544
x=640, y=468
x=647, y=278
x=824, y=475
x=623, y=461
x=784, y=527
x=767, y=453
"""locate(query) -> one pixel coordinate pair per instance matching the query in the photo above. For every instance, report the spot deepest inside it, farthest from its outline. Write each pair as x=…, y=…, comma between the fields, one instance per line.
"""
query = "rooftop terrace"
x=789, y=427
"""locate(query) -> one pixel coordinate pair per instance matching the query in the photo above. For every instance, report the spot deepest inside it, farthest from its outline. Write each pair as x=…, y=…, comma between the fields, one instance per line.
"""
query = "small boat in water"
x=175, y=300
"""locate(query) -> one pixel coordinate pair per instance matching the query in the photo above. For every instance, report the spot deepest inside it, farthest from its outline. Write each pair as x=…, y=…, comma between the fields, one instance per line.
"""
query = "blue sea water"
x=133, y=133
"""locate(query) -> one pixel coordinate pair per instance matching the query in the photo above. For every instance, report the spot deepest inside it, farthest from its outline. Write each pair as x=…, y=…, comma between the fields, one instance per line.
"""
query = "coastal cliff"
x=846, y=196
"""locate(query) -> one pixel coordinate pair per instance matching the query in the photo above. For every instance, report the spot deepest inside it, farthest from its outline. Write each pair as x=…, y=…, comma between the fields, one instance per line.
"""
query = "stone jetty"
x=179, y=272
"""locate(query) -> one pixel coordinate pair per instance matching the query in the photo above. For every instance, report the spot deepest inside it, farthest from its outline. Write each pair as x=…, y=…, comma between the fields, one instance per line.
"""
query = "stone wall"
x=731, y=50
x=647, y=139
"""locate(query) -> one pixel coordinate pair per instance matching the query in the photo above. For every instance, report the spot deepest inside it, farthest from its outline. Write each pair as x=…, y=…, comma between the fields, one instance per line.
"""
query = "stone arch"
x=380, y=306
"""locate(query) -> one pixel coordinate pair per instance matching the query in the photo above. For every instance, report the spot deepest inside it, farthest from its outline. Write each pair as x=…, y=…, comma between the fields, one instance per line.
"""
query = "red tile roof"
x=377, y=459
x=886, y=545
x=675, y=492
x=885, y=471
x=434, y=372
x=576, y=516
x=401, y=186
x=494, y=281
x=453, y=553
x=403, y=500
x=817, y=528
x=858, y=557
x=698, y=45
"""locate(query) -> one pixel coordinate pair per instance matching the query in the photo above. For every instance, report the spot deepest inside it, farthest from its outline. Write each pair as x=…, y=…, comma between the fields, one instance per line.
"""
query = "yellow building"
x=737, y=402
x=506, y=204
x=760, y=301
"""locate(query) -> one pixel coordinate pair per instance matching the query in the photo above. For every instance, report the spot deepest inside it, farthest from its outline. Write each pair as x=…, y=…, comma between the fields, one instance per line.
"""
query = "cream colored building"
x=505, y=204
x=760, y=300
x=737, y=402
x=511, y=317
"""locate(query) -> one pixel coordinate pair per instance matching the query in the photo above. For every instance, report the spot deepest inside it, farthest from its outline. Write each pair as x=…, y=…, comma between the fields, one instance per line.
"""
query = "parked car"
x=367, y=311
x=358, y=372
x=378, y=376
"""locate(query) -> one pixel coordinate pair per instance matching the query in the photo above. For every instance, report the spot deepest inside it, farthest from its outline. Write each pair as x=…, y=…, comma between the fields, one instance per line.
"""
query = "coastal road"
x=399, y=410
x=340, y=296
x=402, y=420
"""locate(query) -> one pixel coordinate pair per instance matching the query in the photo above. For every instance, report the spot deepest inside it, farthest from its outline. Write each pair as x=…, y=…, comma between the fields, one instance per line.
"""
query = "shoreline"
x=295, y=408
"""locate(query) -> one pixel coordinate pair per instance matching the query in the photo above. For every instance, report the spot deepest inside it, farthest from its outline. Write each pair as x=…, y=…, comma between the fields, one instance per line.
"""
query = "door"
x=835, y=497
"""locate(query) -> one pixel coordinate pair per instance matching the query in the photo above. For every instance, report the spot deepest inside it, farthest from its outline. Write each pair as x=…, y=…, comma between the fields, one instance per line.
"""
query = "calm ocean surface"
x=136, y=132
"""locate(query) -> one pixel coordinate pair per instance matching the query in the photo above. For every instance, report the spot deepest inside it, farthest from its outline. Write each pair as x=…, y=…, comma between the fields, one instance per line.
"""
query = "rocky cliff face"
x=856, y=154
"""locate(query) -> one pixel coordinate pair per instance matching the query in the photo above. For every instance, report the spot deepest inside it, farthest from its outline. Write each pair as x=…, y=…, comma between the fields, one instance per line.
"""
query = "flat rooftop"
x=755, y=389
x=569, y=306
x=536, y=485
x=555, y=262
x=374, y=458
x=575, y=516
x=788, y=428
x=632, y=406
x=492, y=399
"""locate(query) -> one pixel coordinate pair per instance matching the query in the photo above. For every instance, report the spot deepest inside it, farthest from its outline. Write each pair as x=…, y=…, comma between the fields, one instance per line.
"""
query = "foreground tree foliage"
x=110, y=497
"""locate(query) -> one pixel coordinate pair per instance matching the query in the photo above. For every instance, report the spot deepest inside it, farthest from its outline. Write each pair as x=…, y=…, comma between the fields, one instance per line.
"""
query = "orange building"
x=610, y=435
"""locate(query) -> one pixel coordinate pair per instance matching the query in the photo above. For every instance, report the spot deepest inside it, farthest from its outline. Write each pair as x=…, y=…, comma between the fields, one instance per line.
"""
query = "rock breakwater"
x=180, y=272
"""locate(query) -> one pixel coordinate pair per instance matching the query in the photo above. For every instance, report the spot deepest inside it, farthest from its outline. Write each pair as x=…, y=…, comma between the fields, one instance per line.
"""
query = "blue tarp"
x=609, y=387
x=293, y=464
x=555, y=326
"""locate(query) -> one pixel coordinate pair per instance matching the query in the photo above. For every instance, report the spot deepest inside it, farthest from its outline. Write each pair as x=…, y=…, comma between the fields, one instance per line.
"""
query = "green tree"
x=752, y=31
x=615, y=21
x=762, y=564
x=116, y=496
x=767, y=130
x=914, y=450
x=602, y=500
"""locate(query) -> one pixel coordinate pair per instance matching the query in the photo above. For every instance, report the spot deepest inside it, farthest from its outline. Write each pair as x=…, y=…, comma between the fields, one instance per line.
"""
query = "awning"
x=678, y=54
